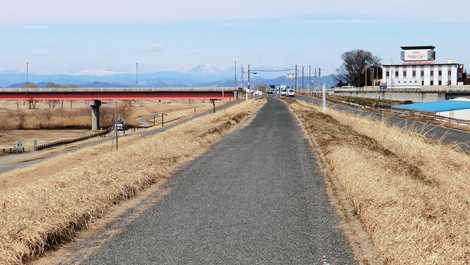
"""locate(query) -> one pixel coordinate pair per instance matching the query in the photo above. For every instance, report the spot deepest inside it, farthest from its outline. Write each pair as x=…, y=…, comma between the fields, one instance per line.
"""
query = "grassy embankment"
x=409, y=194
x=52, y=207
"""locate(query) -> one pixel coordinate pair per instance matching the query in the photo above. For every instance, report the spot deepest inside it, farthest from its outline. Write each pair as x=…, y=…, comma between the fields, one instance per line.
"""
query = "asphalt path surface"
x=255, y=198
x=446, y=135
x=16, y=161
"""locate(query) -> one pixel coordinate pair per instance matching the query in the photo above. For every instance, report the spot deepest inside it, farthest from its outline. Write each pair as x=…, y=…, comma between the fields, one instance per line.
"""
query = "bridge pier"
x=95, y=115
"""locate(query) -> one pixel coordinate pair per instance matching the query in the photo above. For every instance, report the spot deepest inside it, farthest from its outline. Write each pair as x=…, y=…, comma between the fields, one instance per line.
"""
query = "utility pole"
x=248, y=85
x=303, y=78
x=295, y=77
x=309, y=77
x=249, y=78
x=27, y=72
x=242, y=72
x=316, y=77
x=136, y=74
x=319, y=76
x=236, y=81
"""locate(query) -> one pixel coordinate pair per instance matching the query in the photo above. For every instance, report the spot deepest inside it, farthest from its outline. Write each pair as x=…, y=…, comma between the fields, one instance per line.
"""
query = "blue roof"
x=436, y=106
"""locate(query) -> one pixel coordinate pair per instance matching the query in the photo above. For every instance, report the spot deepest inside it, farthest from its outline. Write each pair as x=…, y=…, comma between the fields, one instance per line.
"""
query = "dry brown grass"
x=51, y=209
x=410, y=194
x=79, y=117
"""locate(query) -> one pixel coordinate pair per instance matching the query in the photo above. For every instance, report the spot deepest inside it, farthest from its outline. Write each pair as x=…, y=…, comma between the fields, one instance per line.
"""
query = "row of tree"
x=50, y=85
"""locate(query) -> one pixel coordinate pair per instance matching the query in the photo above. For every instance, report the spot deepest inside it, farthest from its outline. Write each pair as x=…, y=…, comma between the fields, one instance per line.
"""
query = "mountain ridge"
x=156, y=79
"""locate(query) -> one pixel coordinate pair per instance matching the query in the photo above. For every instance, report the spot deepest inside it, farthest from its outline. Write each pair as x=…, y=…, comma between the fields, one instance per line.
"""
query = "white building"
x=419, y=69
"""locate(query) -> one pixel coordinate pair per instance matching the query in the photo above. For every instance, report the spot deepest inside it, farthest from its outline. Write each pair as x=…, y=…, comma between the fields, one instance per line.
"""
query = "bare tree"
x=355, y=64
x=31, y=103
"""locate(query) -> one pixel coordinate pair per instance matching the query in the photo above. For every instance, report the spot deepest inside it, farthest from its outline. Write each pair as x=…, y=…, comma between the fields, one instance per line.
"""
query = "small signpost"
x=213, y=105
x=163, y=117
x=155, y=115
x=118, y=126
x=116, y=138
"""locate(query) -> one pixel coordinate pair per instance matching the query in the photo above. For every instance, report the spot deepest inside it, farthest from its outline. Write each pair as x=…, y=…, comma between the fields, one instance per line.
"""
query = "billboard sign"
x=418, y=55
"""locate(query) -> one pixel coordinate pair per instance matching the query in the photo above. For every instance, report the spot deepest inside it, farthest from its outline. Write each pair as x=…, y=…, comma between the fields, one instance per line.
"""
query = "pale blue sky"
x=99, y=37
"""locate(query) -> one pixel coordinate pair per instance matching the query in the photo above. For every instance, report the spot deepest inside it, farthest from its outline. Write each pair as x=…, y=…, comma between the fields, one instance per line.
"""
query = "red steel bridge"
x=115, y=93
x=97, y=95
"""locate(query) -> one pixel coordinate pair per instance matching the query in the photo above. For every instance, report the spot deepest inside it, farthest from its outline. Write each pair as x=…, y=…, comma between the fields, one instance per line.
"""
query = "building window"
x=388, y=74
x=432, y=73
x=440, y=82
x=396, y=74
x=422, y=73
x=440, y=73
x=432, y=83
x=450, y=73
x=404, y=73
x=414, y=73
x=422, y=83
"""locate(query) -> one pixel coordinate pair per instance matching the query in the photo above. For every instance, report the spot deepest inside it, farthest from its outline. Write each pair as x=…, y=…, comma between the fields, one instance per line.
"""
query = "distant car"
x=258, y=93
x=283, y=91
x=291, y=93
x=271, y=89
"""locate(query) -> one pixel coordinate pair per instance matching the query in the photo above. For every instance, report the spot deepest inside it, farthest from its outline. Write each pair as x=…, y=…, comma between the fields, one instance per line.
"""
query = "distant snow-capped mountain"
x=206, y=69
x=201, y=75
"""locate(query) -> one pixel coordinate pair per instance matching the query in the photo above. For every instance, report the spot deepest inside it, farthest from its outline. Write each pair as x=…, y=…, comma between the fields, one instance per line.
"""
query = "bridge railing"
x=119, y=89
